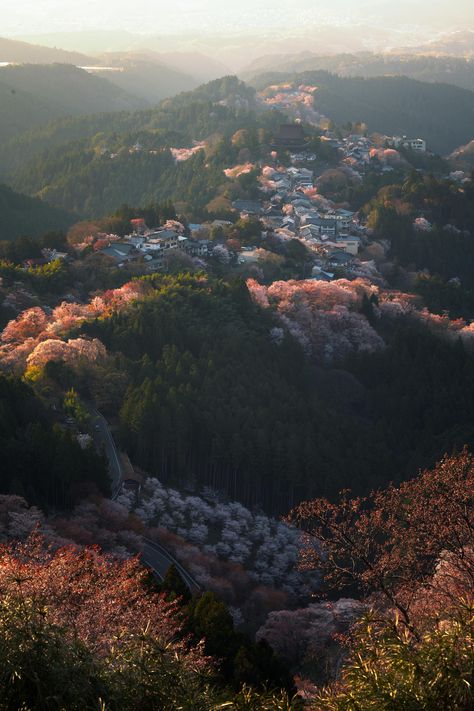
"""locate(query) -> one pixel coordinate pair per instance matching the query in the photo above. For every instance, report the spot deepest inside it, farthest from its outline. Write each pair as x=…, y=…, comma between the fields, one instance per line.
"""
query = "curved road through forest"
x=103, y=437
x=153, y=554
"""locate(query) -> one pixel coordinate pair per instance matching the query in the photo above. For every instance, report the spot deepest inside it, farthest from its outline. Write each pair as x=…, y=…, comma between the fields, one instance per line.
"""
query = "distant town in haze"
x=237, y=356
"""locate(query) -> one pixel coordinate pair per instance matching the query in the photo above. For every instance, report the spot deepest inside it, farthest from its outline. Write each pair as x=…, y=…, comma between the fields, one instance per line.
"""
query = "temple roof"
x=291, y=131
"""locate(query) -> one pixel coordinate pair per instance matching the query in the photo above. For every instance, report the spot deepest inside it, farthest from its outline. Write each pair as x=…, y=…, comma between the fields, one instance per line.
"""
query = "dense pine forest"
x=41, y=461
x=21, y=215
x=213, y=398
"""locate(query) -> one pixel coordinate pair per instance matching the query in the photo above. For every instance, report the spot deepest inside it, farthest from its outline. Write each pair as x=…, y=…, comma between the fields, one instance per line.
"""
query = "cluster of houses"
x=359, y=151
x=153, y=245
x=289, y=207
x=292, y=209
x=47, y=256
x=413, y=144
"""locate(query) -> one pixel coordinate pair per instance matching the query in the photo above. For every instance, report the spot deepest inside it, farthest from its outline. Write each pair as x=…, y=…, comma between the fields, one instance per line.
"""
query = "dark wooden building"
x=290, y=137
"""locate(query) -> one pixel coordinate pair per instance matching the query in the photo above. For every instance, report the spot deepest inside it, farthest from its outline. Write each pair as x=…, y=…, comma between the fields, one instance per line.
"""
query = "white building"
x=414, y=144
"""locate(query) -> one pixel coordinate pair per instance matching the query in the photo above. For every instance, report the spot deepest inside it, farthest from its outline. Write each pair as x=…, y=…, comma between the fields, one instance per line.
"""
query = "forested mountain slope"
x=93, y=185
x=22, y=215
x=218, y=391
x=391, y=105
x=126, y=159
x=33, y=95
x=150, y=81
x=39, y=460
x=193, y=115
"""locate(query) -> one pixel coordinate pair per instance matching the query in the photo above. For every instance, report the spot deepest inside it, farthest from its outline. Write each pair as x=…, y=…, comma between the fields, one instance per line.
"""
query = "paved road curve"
x=159, y=560
x=103, y=436
x=154, y=555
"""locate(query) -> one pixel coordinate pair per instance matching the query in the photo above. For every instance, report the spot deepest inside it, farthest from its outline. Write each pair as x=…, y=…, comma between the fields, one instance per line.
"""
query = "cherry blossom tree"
x=402, y=542
x=67, y=351
x=29, y=324
x=323, y=317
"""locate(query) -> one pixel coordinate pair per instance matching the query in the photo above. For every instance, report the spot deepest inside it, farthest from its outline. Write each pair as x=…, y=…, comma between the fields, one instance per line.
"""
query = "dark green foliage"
x=69, y=163
x=248, y=231
x=391, y=670
x=40, y=667
x=361, y=192
x=240, y=660
x=153, y=214
x=446, y=251
x=40, y=460
x=23, y=215
x=443, y=252
x=420, y=394
x=226, y=88
x=441, y=296
x=45, y=279
x=173, y=586
x=94, y=185
x=209, y=619
x=212, y=395
x=175, y=122
x=45, y=666
x=16, y=154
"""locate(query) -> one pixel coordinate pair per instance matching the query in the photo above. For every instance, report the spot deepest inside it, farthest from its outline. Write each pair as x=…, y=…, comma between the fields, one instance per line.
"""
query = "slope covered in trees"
x=81, y=631
x=99, y=172
x=33, y=95
x=40, y=460
x=94, y=185
x=95, y=176
x=445, y=248
x=193, y=115
x=390, y=105
x=408, y=553
x=22, y=215
x=219, y=389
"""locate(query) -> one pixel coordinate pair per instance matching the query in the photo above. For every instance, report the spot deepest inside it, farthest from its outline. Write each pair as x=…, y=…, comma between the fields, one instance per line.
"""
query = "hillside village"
x=289, y=205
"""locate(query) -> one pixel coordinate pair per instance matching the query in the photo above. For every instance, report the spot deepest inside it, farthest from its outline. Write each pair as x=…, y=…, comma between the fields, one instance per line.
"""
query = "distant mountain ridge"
x=451, y=70
x=144, y=76
x=33, y=94
x=26, y=53
x=459, y=44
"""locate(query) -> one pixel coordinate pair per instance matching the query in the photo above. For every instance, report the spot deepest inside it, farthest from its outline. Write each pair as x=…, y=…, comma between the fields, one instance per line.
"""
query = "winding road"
x=103, y=437
x=153, y=554
x=156, y=557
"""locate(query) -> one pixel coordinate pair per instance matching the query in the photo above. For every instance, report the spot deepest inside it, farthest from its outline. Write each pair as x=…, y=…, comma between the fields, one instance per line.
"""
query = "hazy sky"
x=21, y=17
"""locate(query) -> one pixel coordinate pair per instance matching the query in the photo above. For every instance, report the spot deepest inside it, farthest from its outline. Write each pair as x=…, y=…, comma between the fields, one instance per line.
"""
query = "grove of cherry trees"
x=326, y=318
x=330, y=321
x=39, y=335
x=268, y=549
